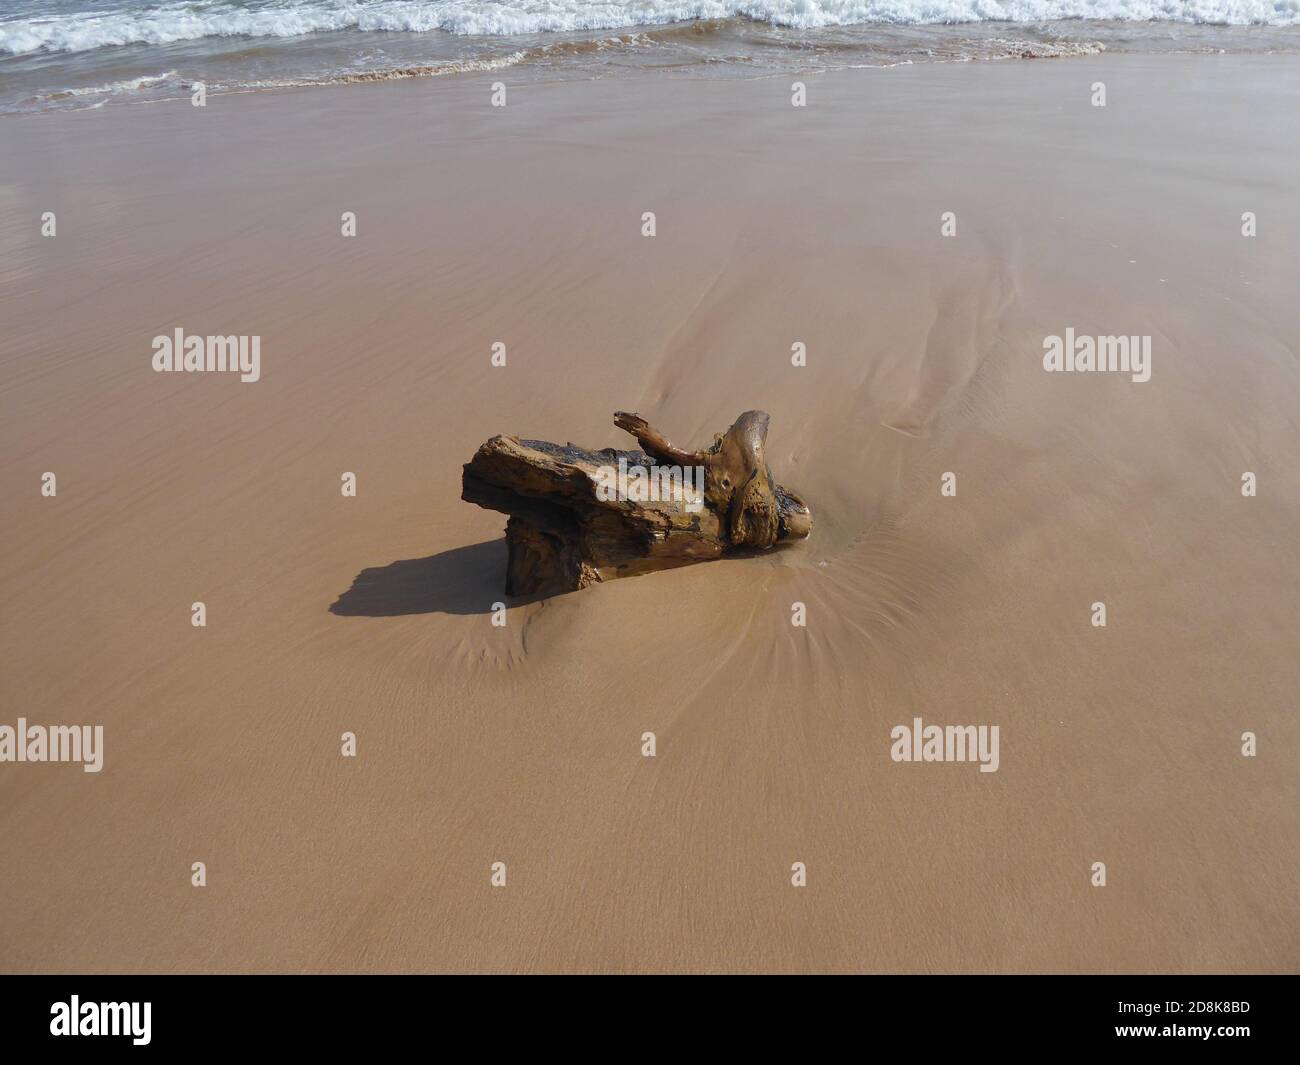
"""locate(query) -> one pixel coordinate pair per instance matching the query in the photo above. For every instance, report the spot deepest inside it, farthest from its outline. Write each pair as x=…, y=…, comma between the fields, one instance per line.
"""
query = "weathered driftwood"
x=579, y=516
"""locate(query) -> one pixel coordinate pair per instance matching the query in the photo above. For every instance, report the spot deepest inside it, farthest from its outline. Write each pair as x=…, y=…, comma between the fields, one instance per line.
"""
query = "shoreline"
x=710, y=49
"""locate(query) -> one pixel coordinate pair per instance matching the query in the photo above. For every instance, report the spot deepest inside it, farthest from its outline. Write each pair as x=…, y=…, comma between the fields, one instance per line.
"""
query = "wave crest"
x=172, y=22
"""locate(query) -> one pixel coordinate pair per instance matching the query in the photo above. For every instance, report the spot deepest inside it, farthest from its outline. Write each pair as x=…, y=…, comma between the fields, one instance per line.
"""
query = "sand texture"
x=522, y=744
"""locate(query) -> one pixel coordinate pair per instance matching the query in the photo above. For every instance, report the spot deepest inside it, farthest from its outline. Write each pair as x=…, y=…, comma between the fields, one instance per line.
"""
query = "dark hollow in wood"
x=573, y=520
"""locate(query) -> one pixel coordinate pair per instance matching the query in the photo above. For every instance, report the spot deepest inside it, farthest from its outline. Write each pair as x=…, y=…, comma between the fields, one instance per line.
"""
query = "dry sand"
x=480, y=744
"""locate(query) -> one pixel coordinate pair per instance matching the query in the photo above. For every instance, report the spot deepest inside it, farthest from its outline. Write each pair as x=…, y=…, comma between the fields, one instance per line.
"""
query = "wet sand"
x=522, y=744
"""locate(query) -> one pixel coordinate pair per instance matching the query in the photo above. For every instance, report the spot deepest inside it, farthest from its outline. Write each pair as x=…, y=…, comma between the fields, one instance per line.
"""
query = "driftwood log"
x=578, y=517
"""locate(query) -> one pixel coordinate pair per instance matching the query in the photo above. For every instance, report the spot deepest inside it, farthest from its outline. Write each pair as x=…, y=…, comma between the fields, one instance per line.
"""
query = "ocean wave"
x=167, y=23
x=114, y=88
x=996, y=48
x=424, y=70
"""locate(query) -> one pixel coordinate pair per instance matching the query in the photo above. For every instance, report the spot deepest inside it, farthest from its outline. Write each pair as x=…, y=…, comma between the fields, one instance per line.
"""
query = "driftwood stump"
x=579, y=516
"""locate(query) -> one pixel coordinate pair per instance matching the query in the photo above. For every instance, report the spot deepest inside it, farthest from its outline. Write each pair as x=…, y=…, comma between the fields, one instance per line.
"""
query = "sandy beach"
x=522, y=744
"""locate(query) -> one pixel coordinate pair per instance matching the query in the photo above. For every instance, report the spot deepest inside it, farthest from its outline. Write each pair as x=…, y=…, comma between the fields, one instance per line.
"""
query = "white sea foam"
x=130, y=85
x=165, y=23
x=427, y=70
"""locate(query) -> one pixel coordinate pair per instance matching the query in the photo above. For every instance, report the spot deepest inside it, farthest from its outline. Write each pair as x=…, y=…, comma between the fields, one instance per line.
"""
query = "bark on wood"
x=565, y=532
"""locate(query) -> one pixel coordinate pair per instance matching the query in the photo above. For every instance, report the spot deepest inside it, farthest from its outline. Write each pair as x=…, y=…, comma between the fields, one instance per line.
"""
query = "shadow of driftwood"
x=464, y=580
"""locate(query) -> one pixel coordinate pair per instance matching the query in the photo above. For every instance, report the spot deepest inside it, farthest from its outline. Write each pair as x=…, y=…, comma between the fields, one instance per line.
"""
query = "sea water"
x=93, y=53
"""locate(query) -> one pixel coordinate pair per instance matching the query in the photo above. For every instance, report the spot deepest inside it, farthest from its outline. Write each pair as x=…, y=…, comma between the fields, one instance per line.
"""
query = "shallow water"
x=57, y=54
